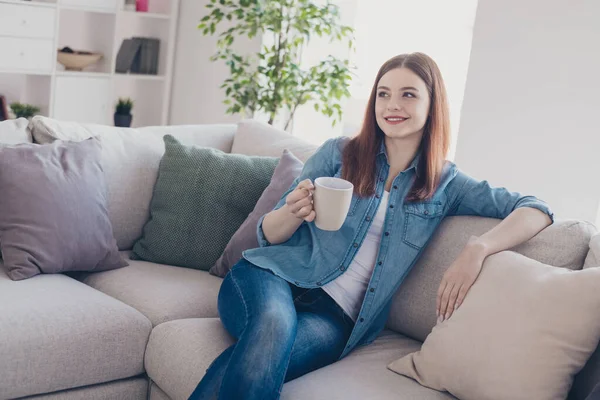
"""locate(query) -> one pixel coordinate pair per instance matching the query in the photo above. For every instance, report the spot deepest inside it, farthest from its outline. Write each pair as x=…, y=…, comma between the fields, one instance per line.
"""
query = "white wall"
x=532, y=101
x=196, y=96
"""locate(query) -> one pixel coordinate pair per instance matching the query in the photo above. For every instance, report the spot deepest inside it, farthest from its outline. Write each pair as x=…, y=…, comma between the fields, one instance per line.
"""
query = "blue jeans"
x=282, y=332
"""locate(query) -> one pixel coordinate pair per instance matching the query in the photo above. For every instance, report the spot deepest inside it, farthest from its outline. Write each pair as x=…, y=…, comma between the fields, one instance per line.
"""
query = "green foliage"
x=273, y=80
x=24, y=110
x=124, y=106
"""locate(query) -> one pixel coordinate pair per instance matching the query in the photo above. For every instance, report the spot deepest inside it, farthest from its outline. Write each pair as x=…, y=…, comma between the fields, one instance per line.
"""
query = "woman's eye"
x=409, y=94
x=382, y=94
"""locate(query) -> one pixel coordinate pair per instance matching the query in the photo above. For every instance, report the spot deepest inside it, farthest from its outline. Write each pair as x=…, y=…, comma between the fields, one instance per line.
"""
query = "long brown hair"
x=360, y=154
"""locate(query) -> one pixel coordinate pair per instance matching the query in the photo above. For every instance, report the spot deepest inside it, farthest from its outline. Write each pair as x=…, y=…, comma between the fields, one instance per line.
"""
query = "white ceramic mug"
x=332, y=198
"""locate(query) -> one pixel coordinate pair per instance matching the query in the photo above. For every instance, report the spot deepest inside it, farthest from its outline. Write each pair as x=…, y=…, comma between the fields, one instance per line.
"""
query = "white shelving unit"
x=31, y=32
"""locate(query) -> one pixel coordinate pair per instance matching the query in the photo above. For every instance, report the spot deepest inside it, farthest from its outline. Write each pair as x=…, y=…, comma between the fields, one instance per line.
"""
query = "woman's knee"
x=276, y=321
x=231, y=307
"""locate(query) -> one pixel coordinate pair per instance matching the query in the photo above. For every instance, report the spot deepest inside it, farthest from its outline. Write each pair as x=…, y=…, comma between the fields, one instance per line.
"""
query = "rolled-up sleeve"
x=474, y=197
x=321, y=163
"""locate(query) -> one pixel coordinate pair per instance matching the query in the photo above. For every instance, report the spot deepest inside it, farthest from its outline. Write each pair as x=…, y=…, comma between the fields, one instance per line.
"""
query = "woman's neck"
x=401, y=152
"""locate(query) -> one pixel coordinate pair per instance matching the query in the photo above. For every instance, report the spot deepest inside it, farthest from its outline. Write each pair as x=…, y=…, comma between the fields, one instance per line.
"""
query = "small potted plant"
x=123, y=115
x=21, y=110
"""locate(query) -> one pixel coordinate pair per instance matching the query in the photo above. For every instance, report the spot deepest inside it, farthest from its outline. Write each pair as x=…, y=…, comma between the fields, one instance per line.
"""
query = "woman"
x=307, y=297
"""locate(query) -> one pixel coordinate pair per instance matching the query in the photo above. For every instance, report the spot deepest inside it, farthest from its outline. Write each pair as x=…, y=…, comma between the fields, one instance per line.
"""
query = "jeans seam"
x=239, y=293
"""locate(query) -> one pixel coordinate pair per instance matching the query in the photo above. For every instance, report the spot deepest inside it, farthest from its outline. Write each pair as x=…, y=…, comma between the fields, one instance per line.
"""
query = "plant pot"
x=123, y=121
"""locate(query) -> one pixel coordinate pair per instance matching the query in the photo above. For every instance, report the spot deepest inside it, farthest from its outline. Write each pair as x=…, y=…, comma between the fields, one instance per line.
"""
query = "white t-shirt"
x=348, y=290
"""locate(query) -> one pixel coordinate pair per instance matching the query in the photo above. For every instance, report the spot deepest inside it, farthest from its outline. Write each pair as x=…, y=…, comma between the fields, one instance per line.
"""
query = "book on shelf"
x=138, y=55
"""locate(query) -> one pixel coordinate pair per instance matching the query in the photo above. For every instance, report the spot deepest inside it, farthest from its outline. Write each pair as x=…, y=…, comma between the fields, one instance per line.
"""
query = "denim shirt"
x=313, y=257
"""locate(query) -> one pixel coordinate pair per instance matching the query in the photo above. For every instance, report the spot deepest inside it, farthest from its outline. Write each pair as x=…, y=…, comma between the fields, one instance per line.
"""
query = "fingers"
x=304, y=212
x=300, y=204
x=438, y=302
x=452, y=301
x=444, y=301
x=311, y=217
x=304, y=189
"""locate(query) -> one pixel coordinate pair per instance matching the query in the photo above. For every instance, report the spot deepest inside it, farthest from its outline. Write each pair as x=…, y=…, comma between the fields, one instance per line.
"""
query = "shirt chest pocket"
x=421, y=220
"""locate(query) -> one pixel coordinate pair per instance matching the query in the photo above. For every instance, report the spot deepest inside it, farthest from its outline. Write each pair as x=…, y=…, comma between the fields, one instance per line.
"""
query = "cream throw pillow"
x=523, y=332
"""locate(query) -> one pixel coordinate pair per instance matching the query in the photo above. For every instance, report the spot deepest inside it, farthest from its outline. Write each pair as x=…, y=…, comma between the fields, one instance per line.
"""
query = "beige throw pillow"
x=523, y=332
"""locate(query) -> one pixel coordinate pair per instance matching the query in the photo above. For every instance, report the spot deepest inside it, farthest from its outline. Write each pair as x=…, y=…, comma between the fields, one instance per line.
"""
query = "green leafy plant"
x=124, y=106
x=273, y=80
x=22, y=110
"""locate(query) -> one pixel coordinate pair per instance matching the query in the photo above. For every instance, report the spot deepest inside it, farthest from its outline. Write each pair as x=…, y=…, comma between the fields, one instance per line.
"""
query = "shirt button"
x=372, y=290
x=426, y=212
x=392, y=206
x=368, y=218
x=381, y=179
x=319, y=284
x=296, y=283
x=395, y=187
x=361, y=320
x=355, y=245
x=342, y=268
x=387, y=234
x=377, y=196
x=380, y=262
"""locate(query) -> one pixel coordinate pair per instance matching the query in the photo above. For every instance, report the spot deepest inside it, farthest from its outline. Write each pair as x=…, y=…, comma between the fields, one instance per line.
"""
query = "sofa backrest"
x=130, y=158
x=255, y=138
x=563, y=244
x=15, y=131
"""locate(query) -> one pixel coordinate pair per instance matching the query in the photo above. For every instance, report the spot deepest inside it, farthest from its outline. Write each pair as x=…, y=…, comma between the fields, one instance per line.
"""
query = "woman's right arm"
x=279, y=225
x=295, y=206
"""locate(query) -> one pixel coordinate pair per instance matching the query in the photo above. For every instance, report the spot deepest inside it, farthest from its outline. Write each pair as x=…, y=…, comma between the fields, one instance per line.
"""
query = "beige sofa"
x=150, y=331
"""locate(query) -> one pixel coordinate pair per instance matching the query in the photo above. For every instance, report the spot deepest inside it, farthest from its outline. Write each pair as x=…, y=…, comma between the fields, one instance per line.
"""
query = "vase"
x=142, y=5
x=123, y=121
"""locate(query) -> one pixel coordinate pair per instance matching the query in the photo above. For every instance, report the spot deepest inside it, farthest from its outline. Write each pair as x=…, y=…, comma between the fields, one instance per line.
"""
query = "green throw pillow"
x=200, y=199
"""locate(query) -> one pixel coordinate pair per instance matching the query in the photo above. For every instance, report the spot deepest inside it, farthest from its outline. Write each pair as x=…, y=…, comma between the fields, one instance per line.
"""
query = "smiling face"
x=402, y=104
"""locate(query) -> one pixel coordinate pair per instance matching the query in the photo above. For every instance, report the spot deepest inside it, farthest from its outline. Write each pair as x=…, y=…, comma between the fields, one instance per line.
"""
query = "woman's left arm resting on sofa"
x=523, y=217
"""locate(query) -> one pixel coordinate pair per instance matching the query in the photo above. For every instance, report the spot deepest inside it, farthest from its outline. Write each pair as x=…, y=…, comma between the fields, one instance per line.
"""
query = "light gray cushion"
x=256, y=138
x=160, y=292
x=363, y=375
x=593, y=256
x=53, y=210
x=179, y=352
x=57, y=333
x=156, y=393
x=15, y=131
x=563, y=244
x=130, y=158
x=288, y=169
x=127, y=389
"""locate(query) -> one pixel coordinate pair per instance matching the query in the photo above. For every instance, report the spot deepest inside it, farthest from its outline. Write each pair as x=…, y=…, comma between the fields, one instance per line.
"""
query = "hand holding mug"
x=300, y=201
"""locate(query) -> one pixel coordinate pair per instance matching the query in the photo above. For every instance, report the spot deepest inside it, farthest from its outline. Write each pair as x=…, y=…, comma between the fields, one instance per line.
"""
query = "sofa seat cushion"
x=179, y=352
x=57, y=333
x=160, y=292
x=363, y=375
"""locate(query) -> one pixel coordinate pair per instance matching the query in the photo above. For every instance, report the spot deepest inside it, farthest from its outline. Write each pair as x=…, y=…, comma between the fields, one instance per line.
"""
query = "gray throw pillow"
x=53, y=215
x=288, y=169
x=200, y=199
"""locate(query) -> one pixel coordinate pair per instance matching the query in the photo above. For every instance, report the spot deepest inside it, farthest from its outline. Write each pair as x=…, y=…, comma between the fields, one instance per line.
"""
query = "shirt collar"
x=414, y=164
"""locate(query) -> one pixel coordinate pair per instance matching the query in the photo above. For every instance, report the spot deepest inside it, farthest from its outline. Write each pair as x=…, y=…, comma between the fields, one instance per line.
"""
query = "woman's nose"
x=393, y=105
